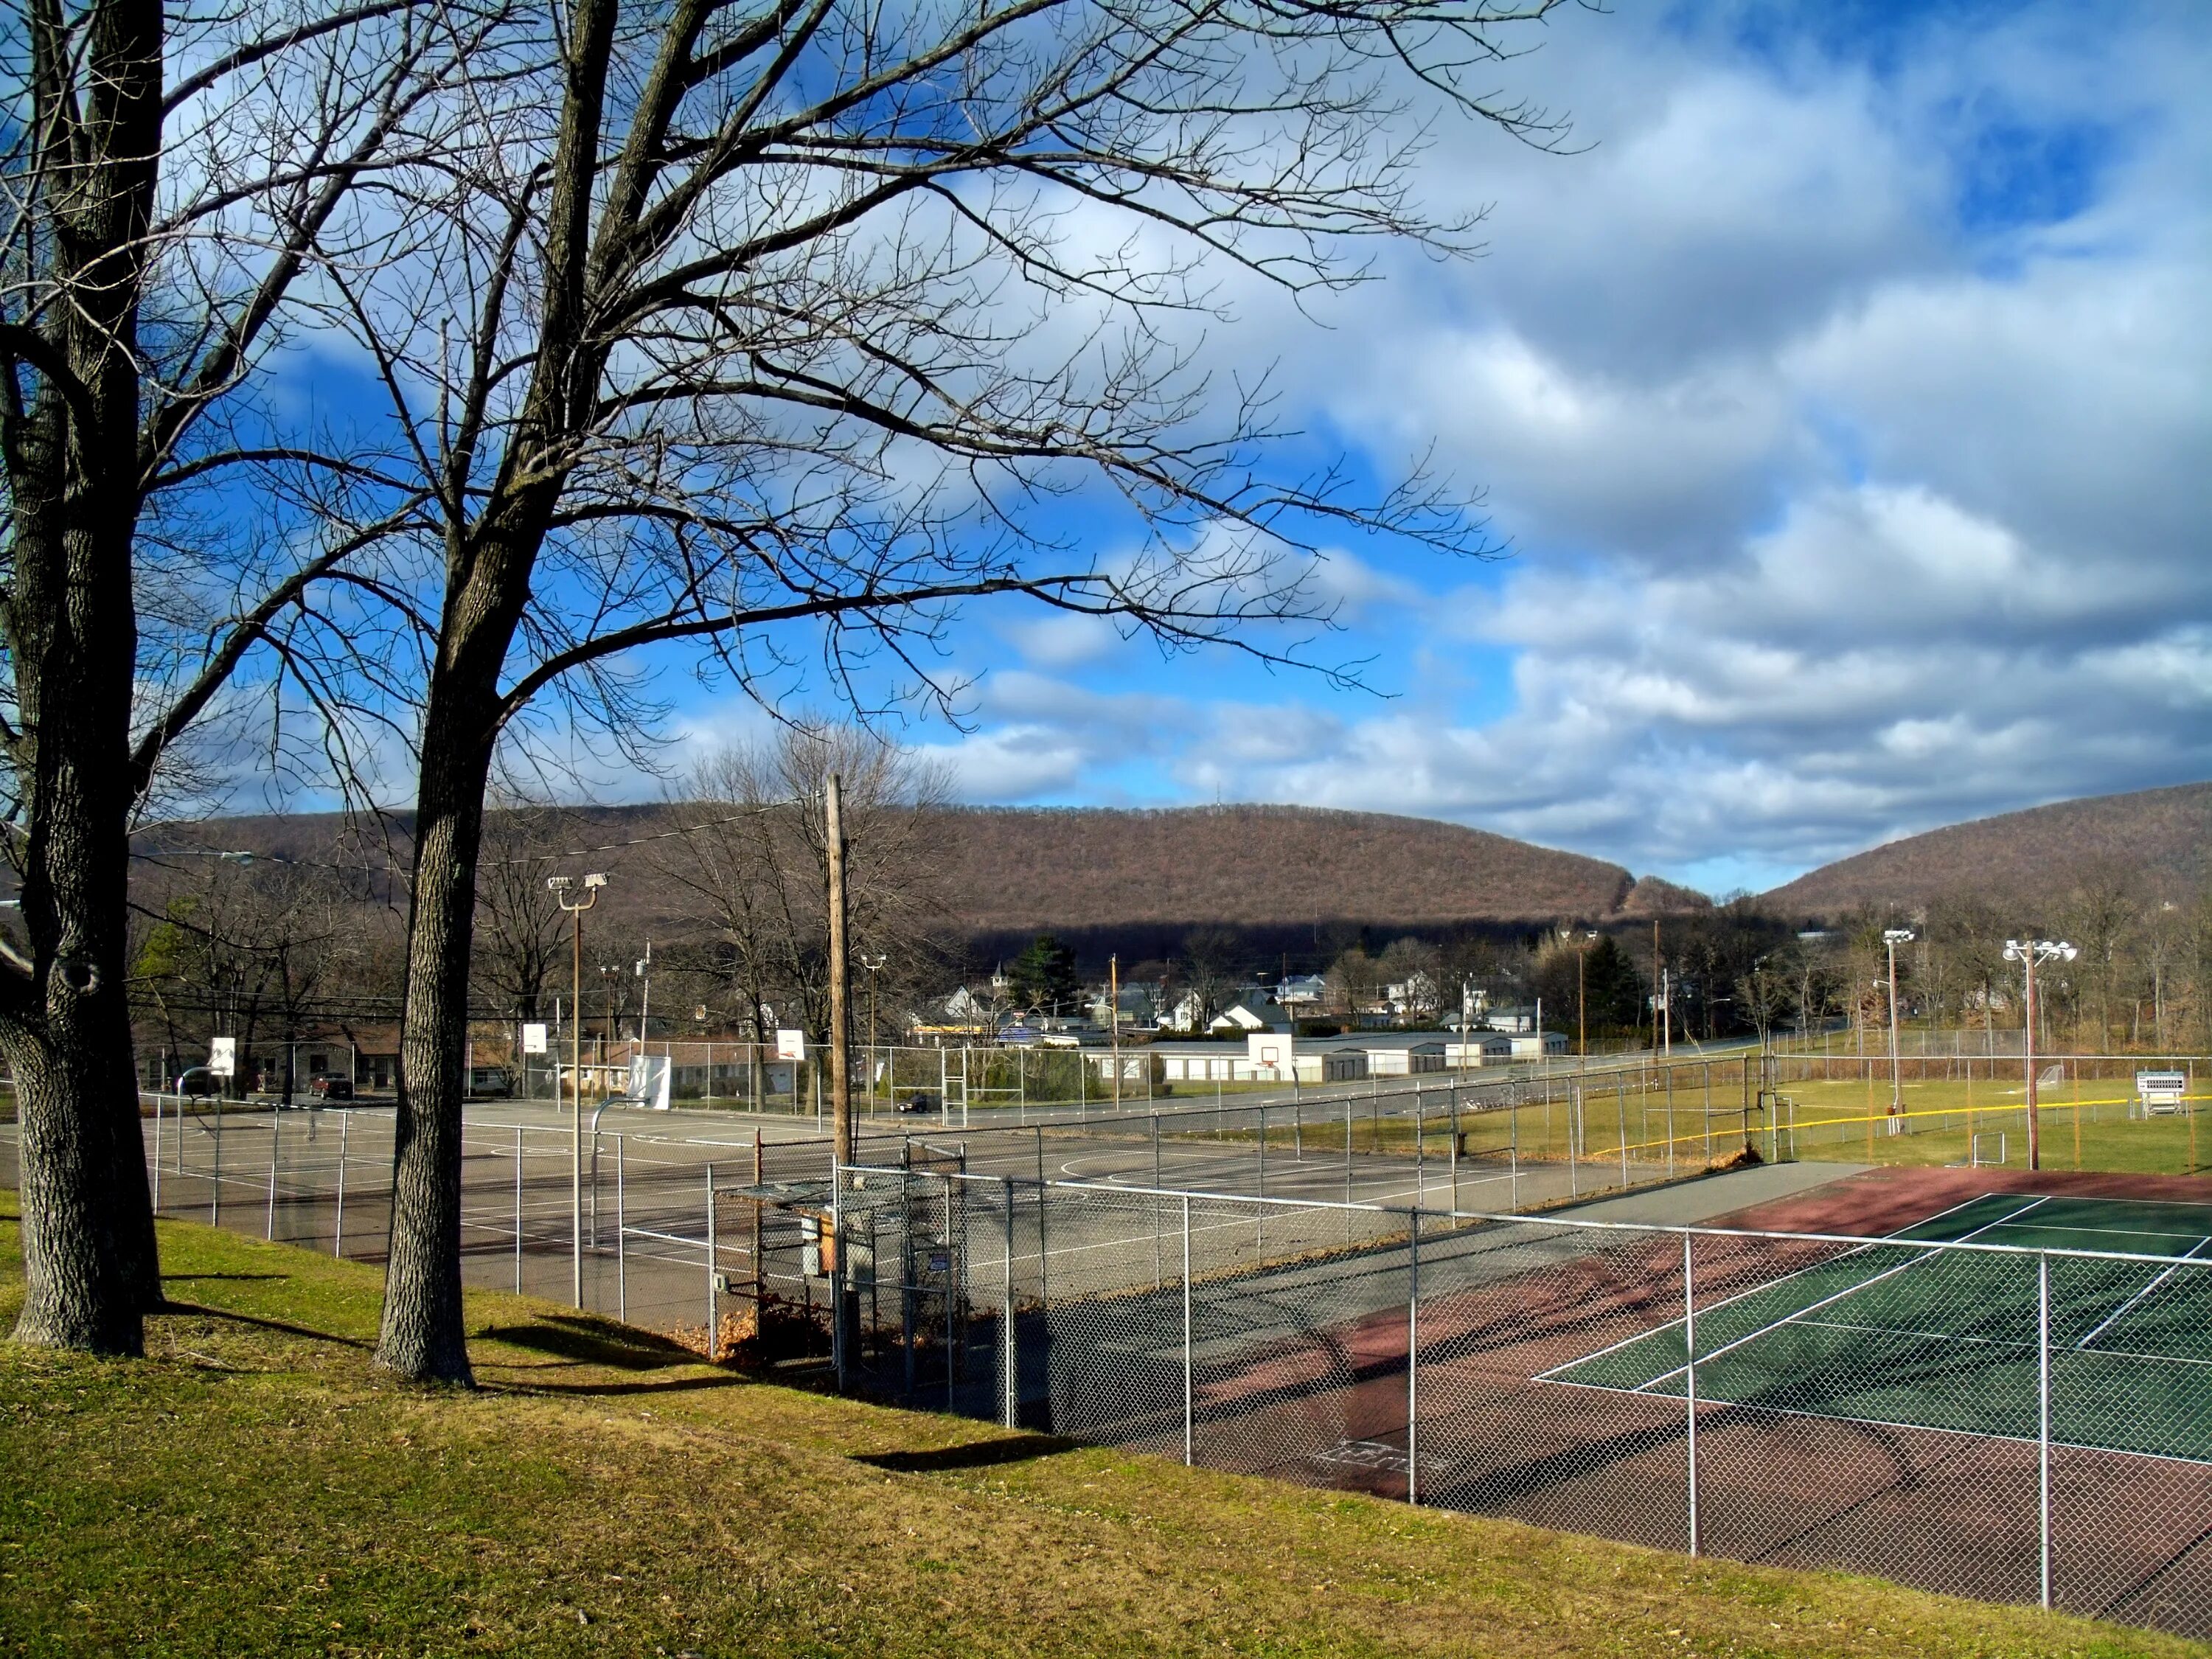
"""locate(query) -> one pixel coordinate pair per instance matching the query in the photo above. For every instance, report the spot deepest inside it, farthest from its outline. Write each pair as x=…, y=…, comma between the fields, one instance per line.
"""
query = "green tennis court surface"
x=1895, y=1332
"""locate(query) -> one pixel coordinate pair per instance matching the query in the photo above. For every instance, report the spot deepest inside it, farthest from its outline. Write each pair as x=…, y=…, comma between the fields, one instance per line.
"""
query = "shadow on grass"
x=232, y=1316
x=172, y=1279
x=979, y=1455
x=592, y=1342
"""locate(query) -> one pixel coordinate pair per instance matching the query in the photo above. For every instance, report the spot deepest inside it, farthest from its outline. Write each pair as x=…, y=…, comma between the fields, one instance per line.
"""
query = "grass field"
x=251, y=1487
x=2085, y=1125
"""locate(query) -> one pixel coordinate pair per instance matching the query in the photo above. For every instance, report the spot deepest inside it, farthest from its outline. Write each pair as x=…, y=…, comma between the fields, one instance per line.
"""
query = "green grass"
x=253, y=1487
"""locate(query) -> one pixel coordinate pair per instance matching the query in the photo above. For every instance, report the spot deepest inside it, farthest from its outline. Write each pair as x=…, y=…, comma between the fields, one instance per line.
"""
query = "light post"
x=1582, y=999
x=560, y=887
x=2029, y=953
x=645, y=995
x=874, y=965
x=1890, y=938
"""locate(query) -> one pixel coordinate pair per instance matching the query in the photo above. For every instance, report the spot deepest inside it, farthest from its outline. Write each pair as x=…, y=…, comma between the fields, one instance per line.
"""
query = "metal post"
x=1187, y=1434
x=1455, y=1148
x=1420, y=1188
x=517, y=1209
x=1690, y=1378
x=215, y=1186
x=338, y=1228
x=1010, y=1416
x=1413, y=1359
x=269, y=1226
x=1512, y=1154
x=1620, y=1116
x=713, y=1306
x=1347, y=1149
x=1263, y=1151
x=157, y=1144
x=622, y=1228
x=2043, y=1418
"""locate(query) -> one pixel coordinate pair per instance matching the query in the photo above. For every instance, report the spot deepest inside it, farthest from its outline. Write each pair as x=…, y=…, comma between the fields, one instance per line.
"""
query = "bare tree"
x=172, y=180
x=753, y=859
x=719, y=320
x=521, y=935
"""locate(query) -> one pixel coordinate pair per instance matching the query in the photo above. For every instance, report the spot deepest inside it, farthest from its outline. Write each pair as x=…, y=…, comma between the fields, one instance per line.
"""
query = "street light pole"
x=874, y=965
x=2028, y=953
x=561, y=886
x=1890, y=938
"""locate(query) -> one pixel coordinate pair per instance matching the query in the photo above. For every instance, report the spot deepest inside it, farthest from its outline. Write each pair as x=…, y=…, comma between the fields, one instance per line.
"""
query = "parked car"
x=323, y=1086
x=199, y=1084
x=921, y=1100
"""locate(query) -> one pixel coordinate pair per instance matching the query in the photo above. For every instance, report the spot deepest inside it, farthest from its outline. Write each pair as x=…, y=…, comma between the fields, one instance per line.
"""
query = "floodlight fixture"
x=559, y=884
x=595, y=880
x=1898, y=936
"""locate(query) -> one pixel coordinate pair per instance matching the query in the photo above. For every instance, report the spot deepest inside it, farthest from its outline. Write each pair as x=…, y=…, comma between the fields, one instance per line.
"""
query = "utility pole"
x=645, y=1003
x=1890, y=938
x=841, y=976
x=561, y=886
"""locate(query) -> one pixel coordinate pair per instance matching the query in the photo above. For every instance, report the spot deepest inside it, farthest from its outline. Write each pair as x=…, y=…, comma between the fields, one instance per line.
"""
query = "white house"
x=1245, y=1016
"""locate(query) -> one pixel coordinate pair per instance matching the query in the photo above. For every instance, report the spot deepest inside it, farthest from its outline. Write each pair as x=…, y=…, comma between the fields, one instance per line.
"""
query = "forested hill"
x=1017, y=868
x=2159, y=839
x=1008, y=870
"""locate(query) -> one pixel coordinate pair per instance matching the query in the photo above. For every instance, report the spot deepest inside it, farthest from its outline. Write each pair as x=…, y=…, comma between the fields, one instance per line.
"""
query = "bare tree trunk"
x=424, y=1335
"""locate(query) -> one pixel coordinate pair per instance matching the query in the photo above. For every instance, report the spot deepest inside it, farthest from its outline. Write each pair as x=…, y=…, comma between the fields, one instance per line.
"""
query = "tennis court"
x=1907, y=1332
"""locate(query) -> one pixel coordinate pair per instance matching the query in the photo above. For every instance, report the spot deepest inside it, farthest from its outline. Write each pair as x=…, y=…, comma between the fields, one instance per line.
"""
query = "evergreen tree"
x=1044, y=977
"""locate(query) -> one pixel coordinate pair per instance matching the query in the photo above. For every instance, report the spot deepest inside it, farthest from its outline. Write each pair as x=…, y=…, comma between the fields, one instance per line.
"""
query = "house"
x=1251, y=1015
x=1303, y=990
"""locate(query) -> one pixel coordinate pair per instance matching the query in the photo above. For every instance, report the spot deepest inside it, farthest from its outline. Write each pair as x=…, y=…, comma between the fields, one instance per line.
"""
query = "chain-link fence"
x=2012, y=1423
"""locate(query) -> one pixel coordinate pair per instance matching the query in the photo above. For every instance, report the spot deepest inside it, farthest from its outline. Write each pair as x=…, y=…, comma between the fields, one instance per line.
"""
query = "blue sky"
x=1843, y=408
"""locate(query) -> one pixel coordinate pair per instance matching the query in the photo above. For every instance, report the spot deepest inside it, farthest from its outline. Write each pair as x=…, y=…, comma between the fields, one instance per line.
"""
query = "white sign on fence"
x=791, y=1045
x=222, y=1056
x=533, y=1039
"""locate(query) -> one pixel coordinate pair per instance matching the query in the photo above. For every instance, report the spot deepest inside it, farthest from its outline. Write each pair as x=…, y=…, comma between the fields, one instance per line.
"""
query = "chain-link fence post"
x=713, y=1306
x=269, y=1226
x=215, y=1185
x=1188, y=1437
x=1010, y=1360
x=1347, y=1139
x=1413, y=1358
x=2043, y=1420
x=517, y=1209
x=1263, y=1150
x=157, y=1145
x=1689, y=1377
x=622, y=1238
x=337, y=1222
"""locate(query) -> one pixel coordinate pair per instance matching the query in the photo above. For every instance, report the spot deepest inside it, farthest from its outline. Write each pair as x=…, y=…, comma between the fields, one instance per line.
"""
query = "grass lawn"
x=251, y=1487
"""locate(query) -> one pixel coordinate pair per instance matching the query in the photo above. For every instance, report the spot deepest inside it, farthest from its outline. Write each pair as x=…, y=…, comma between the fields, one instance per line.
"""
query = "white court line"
x=2114, y=1317
x=1762, y=1287
x=1842, y=1295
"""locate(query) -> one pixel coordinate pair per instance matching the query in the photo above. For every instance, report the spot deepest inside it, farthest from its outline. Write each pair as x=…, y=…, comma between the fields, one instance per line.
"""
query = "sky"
x=1841, y=399
x=1840, y=394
